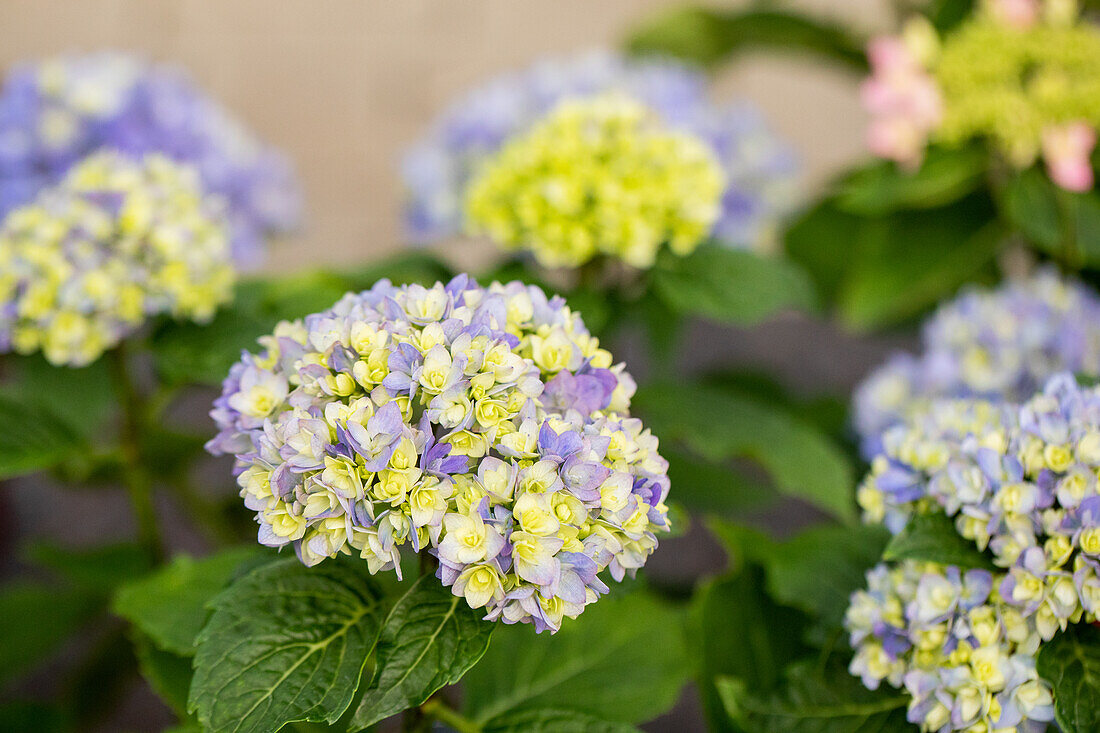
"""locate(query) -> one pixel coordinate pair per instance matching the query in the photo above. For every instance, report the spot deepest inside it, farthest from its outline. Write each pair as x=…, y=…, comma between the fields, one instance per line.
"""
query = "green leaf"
x=815, y=571
x=946, y=14
x=945, y=176
x=1062, y=224
x=285, y=643
x=430, y=639
x=932, y=537
x=720, y=425
x=168, y=674
x=35, y=619
x=170, y=605
x=32, y=436
x=1070, y=662
x=24, y=715
x=881, y=270
x=731, y=285
x=98, y=568
x=738, y=630
x=707, y=487
x=555, y=721
x=81, y=397
x=623, y=659
x=709, y=37
x=814, y=701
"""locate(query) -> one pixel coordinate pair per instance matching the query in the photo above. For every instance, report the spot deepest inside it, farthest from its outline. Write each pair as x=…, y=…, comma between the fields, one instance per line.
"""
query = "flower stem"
x=135, y=476
x=439, y=710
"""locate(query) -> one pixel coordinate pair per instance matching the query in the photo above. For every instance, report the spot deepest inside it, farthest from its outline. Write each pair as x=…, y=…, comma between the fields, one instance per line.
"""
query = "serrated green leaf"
x=731, y=285
x=623, y=659
x=814, y=700
x=430, y=639
x=285, y=643
x=737, y=630
x=35, y=619
x=170, y=605
x=945, y=176
x=1070, y=662
x=932, y=537
x=710, y=36
x=721, y=425
x=168, y=674
x=815, y=571
x=555, y=721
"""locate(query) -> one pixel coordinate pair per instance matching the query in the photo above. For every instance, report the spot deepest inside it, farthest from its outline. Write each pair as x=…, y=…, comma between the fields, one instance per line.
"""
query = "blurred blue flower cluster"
x=54, y=113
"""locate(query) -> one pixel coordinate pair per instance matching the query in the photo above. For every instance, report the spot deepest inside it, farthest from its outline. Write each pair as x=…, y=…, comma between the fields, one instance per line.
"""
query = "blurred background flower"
x=55, y=112
x=759, y=169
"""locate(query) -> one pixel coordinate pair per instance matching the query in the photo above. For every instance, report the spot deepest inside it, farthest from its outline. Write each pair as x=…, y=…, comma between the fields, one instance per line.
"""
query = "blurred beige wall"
x=344, y=85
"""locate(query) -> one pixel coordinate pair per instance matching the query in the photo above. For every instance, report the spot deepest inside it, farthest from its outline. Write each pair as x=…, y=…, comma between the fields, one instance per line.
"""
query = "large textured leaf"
x=932, y=538
x=285, y=643
x=623, y=659
x=945, y=176
x=721, y=425
x=1070, y=662
x=170, y=605
x=430, y=639
x=710, y=36
x=555, y=721
x=32, y=436
x=736, y=629
x=34, y=621
x=815, y=571
x=815, y=700
x=731, y=285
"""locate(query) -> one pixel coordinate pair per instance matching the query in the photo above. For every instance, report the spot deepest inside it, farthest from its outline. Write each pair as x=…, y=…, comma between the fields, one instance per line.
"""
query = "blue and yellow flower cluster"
x=117, y=241
x=1000, y=344
x=485, y=426
x=1021, y=481
x=511, y=117
x=56, y=112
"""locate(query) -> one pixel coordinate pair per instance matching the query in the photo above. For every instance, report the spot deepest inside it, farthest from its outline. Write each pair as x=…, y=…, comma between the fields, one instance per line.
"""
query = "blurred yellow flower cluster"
x=598, y=176
x=116, y=241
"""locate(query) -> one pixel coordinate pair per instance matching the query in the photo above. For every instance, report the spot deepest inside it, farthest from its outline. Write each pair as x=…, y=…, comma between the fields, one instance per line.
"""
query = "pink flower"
x=1066, y=150
x=1019, y=14
x=902, y=99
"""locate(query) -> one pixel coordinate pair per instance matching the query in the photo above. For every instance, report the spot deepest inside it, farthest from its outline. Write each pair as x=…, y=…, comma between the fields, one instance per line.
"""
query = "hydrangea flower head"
x=597, y=176
x=999, y=344
x=117, y=241
x=483, y=425
x=944, y=635
x=758, y=169
x=55, y=112
x=1022, y=74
